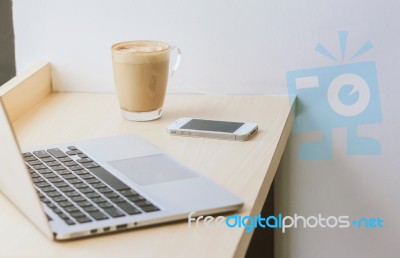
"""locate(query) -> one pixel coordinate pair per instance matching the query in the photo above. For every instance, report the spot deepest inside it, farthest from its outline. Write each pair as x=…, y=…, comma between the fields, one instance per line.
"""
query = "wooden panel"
x=22, y=92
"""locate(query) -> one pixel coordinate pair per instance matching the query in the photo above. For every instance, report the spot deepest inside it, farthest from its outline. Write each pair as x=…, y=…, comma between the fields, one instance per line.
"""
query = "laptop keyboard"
x=79, y=190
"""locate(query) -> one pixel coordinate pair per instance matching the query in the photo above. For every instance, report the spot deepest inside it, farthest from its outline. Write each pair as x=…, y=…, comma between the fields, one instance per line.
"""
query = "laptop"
x=98, y=186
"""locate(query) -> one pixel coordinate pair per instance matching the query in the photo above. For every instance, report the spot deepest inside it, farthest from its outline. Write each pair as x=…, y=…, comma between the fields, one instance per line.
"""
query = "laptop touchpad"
x=152, y=169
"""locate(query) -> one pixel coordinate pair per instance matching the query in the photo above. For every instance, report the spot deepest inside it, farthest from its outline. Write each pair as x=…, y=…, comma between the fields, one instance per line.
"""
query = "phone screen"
x=214, y=126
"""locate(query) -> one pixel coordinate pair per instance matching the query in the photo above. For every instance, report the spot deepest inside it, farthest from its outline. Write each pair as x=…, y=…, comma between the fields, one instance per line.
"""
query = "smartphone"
x=238, y=131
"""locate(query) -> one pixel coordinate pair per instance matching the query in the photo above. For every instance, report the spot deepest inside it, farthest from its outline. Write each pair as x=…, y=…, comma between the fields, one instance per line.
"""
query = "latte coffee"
x=141, y=71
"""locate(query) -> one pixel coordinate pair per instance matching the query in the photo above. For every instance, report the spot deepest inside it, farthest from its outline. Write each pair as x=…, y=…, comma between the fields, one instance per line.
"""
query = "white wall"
x=248, y=47
x=225, y=46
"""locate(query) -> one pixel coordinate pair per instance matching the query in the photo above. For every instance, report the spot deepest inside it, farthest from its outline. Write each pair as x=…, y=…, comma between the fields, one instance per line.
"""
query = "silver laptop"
x=93, y=187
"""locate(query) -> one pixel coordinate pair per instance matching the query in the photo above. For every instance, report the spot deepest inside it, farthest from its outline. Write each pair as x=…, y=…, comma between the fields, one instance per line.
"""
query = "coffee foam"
x=139, y=52
x=142, y=49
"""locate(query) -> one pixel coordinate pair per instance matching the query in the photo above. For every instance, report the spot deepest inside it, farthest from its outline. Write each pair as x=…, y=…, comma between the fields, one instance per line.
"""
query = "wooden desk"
x=245, y=168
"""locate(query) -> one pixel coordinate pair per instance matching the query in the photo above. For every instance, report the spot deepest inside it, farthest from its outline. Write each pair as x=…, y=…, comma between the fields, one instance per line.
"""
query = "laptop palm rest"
x=152, y=169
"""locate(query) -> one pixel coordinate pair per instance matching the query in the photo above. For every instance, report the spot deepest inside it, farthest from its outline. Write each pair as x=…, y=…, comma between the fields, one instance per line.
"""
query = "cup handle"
x=177, y=61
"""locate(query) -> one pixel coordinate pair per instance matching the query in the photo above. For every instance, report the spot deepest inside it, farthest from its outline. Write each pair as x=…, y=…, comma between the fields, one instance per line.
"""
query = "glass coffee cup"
x=141, y=73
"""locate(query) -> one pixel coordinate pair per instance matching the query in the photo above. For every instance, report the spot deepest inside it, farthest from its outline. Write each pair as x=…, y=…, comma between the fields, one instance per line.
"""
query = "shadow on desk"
x=262, y=241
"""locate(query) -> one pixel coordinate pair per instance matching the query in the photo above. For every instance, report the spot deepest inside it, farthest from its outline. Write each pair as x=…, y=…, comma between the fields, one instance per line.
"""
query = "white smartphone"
x=239, y=131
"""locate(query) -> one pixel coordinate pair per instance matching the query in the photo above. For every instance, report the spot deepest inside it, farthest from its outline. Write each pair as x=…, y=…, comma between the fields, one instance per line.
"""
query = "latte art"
x=142, y=49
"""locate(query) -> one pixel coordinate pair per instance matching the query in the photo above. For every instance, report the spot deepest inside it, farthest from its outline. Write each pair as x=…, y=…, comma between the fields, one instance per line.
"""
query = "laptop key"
x=53, y=163
x=78, y=198
x=34, y=174
x=105, y=190
x=98, y=215
x=90, y=209
x=71, y=153
x=70, y=209
x=42, y=184
x=60, y=184
x=38, y=180
x=86, y=176
x=80, y=185
x=63, y=172
x=47, y=189
x=72, y=148
x=41, y=154
x=143, y=204
x=92, y=195
x=59, y=167
x=50, y=175
x=113, y=212
x=81, y=172
x=66, y=189
x=74, y=181
x=55, y=180
x=99, y=185
x=35, y=162
x=128, y=208
x=69, y=222
x=90, y=165
x=63, y=216
x=128, y=193
x=86, y=190
x=53, y=194
x=108, y=178
x=99, y=200
x=150, y=208
x=117, y=200
x=57, y=153
x=84, y=204
x=58, y=211
x=93, y=181
x=72, y=194
x=111, y=195
x=83, y=219
x=70, y=163
x=59, y=199
x=136, y=198
x=84, y=160
x=75, y=168
x=77, y=214
x=45, y=200
x=30, y=158
x=105, y=205
x=65, y=204
x=38, y=167
x=69, y=176
x=49, y=159
x=51, y=205
x=26, y=154
x=66, y=159
x=44, y=171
